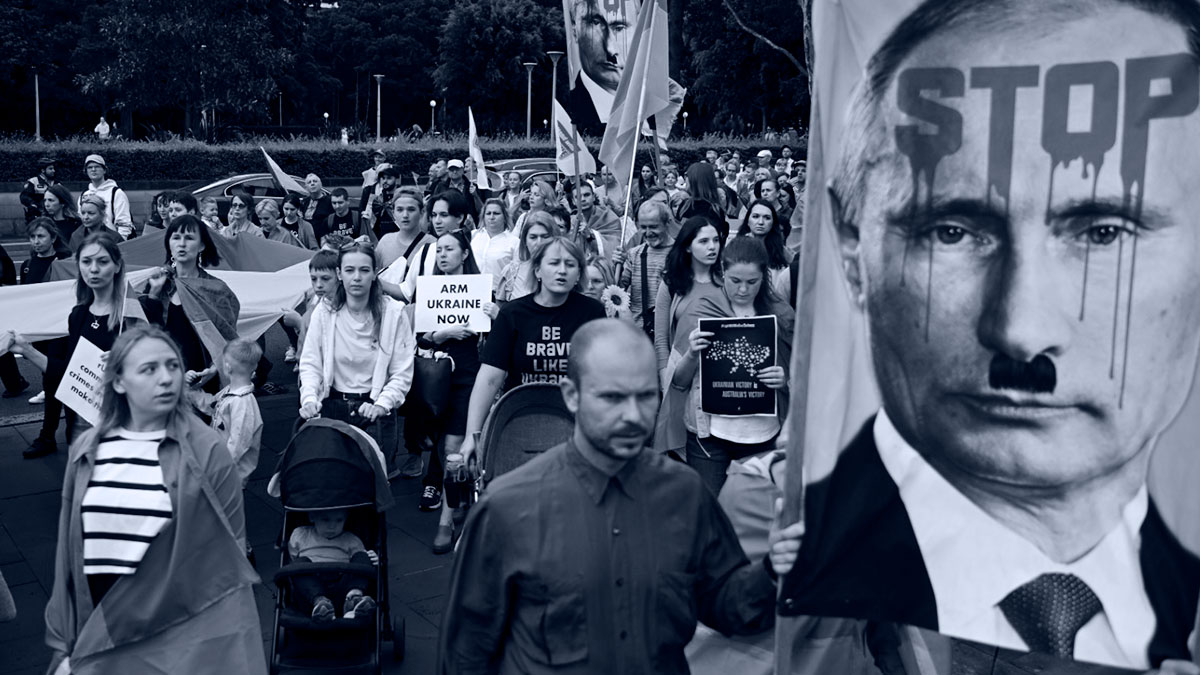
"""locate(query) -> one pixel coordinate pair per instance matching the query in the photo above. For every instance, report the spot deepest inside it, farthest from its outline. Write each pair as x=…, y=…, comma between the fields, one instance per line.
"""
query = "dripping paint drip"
x=1128, y=319
x=1087, y=252
x=1112, y=362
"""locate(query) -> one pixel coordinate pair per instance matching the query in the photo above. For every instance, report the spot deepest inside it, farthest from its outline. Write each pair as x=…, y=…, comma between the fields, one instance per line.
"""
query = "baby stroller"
x=332, y=465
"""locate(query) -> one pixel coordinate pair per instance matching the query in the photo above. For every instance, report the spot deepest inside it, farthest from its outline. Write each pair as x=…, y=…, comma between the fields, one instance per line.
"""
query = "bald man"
x=598, y=557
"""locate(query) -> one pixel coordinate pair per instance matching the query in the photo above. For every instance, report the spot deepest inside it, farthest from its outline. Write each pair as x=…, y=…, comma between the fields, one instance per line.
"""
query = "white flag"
x=568, y=148
x=481, y=177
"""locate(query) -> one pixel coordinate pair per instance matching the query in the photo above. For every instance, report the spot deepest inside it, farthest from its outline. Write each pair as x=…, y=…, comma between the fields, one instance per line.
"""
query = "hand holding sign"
x=80, y=389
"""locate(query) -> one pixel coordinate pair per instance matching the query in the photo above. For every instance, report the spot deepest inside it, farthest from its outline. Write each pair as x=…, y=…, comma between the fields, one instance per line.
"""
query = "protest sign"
x=453, y=300
x=739, y=347
x=979, y=366
x=80, y=387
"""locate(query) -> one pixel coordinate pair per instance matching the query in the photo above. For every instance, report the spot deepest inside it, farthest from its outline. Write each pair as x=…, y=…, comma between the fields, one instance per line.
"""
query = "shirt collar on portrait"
x=955, y=536
x=596, y=480
x=601, y=97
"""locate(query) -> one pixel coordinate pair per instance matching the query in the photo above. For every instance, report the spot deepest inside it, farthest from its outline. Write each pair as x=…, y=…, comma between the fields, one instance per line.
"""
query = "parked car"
x=259, y=186
x=529, y=168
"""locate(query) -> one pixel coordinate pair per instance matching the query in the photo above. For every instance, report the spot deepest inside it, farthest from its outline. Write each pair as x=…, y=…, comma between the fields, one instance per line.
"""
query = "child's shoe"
x=357, y=605
x=322, y=609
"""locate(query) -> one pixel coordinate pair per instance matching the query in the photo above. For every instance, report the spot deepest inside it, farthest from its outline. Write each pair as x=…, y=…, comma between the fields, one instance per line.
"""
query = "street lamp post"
x=432, y=116
x=326, y=116
x=37, y=108
x=529, y=66
x=378, y=108
x=554, y=57
x=685, y=116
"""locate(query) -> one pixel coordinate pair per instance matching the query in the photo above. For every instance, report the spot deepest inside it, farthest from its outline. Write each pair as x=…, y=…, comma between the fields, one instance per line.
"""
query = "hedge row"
x=192, y=160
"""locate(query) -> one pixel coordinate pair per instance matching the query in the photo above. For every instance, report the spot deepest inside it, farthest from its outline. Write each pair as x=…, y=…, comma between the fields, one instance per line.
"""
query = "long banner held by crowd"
x=266, y=276
x=994, y=423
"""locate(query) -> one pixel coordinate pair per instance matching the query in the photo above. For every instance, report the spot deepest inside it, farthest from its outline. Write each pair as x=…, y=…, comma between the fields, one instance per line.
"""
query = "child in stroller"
x=327, y=541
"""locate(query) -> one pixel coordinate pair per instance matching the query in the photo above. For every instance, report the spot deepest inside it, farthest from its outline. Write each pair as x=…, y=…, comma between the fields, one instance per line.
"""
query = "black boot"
x=40, y=448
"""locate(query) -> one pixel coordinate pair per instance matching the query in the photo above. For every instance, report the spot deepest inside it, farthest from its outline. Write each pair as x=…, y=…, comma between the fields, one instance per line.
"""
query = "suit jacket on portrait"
x=582, y=110
x=861, y=558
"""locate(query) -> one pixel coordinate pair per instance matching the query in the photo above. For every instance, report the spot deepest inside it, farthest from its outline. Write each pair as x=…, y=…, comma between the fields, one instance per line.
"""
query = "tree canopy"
x=156, y=64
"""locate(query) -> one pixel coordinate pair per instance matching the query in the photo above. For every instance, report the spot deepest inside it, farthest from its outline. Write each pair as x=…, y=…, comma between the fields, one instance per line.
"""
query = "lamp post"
x=432, y=116
x=685, y=116
x=378, y=108
x=326, y=116
x=37, y=108
x=529, y=66
x=554, y=57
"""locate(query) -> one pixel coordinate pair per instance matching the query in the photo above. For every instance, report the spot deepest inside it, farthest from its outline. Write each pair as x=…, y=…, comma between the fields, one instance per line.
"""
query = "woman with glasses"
x=240, y=218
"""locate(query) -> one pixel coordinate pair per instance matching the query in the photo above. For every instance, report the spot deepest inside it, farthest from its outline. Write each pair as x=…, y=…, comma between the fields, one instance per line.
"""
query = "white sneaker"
x=39, y=399
x=290, y=355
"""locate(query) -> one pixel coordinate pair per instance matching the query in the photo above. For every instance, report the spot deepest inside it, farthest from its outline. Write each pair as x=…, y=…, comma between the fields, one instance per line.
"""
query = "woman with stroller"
x=357, y=361
x=96, y=317
x=149, y=571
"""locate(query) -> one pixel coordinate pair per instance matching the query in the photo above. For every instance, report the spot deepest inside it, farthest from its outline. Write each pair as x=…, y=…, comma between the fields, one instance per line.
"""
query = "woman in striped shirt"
x=149, y=532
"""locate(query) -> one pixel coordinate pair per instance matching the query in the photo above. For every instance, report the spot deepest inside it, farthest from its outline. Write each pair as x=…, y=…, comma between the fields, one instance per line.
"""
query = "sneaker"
x=13, y=393
x=323, y=609
x=357, y=605
x=40, y=447
x=39, y=399
x=443, y=541
x=290, y=355
x=431, y=498
x=412, y=466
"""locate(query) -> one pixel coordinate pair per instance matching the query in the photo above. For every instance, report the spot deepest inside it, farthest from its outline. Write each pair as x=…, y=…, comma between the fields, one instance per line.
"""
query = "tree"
x=747, y=64
x=195, y=54
x=483, y=45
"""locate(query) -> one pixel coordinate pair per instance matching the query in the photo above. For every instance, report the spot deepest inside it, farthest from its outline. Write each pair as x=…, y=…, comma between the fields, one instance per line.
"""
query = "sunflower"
x=616, y=302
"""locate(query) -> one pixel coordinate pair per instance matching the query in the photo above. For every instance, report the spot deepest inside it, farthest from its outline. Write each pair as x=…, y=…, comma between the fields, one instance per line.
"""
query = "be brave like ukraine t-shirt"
x=532, y=343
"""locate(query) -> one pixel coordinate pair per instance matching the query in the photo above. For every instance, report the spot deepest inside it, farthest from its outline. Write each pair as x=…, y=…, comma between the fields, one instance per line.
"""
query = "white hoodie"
x=116, y=213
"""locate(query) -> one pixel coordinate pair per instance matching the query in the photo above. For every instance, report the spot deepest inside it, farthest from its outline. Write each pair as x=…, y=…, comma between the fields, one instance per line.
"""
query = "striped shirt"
x=126, y=503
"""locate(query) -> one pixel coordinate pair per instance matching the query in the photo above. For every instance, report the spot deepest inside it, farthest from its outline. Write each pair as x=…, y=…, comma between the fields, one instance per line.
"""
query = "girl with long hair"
x=293, y=221
x=691, y=272
x=149, y=571
x=159, y=213
x=713, y=441
x=97, y=317
x=356, y=364
x=517, y=280
x=59, y=206
x=545, y=319
x=460, y=343
x=762, y=222
x=704, y=197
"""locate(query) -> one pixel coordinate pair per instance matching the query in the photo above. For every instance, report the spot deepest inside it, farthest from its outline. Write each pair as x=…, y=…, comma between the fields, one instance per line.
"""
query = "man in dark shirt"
x=34, y=189
x=598, y=557
x=343, y=221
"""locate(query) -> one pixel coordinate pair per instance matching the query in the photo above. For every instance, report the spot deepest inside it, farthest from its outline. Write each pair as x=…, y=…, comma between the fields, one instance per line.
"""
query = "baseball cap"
x=378, y=152
x=44, y=162
x=95, y=159
x=454, y=164
x=764, y=153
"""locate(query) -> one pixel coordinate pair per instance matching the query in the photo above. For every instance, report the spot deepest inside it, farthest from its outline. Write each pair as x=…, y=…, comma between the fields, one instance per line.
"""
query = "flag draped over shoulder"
x=568, y=149
x=645, y=89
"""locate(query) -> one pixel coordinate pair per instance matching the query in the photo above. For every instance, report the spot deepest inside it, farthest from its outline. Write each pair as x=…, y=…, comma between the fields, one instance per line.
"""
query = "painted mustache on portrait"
x=1036, y=376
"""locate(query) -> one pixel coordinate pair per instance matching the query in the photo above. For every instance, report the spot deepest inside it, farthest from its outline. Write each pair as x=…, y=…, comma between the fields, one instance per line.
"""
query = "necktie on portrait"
x=1048, y=611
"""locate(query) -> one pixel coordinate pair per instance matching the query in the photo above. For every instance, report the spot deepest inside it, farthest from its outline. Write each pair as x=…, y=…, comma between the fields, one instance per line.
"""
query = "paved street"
x=29, y=503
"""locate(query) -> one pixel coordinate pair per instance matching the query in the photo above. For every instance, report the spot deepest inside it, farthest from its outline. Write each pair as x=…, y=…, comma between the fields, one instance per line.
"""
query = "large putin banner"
x=995, y=428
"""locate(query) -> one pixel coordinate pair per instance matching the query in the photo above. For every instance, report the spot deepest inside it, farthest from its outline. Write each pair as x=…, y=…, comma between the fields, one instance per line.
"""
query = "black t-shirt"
x=346, y=225
x=531, y=343
x=37, y=269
